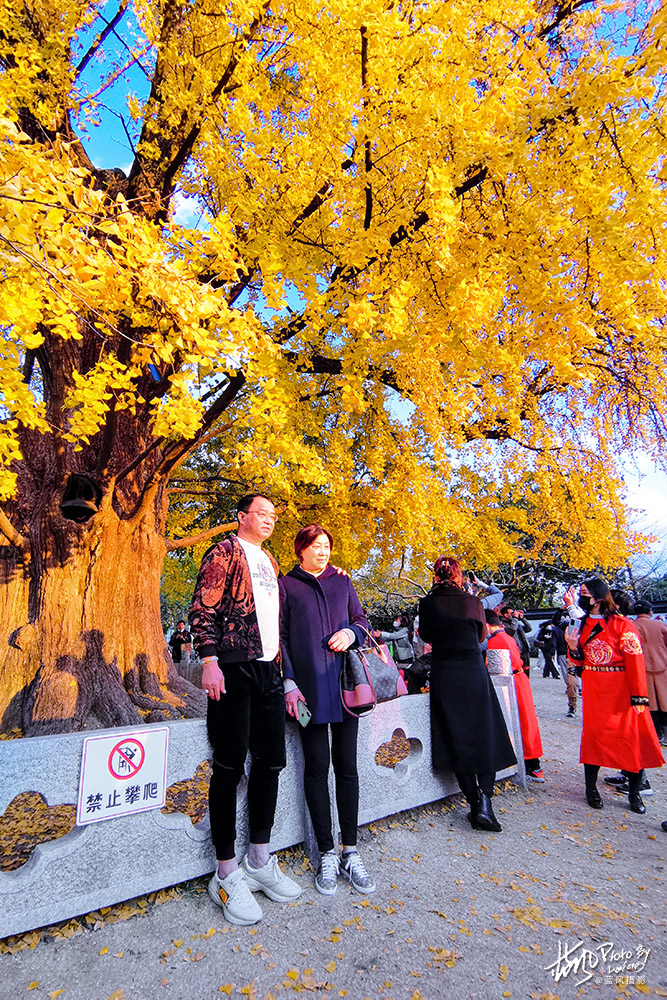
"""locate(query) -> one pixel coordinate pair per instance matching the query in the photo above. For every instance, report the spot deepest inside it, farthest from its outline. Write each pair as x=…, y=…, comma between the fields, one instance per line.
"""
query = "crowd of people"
x=273, y=645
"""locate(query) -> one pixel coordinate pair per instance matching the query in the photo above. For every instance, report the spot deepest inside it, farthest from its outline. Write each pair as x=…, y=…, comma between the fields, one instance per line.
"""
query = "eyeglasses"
x=264, y=514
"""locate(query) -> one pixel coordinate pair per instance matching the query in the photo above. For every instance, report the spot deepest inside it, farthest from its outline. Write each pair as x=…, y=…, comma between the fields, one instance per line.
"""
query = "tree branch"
x=139, y=458
x=187, y=543
x=187, y=145
x=14, y=536
x=567, y=9
x=318, y=364
x=178, y=452
x=100, y=39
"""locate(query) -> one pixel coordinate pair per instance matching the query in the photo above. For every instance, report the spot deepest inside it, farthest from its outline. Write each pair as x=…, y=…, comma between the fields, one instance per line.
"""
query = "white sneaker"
x=271, y=880
x=233, y=895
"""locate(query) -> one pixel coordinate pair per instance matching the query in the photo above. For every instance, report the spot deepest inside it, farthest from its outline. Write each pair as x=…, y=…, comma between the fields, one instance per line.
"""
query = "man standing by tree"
x=234, y=621
x=180, y=638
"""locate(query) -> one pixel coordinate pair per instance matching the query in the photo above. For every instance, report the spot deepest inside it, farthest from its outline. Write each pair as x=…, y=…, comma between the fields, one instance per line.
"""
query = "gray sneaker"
x=352, y=867
x=326, y=880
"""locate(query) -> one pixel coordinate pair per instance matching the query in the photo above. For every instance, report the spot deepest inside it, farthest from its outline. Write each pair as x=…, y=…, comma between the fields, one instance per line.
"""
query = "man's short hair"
x=245, y=503
x=643, y=608
x=181, y=621
x=492, y=617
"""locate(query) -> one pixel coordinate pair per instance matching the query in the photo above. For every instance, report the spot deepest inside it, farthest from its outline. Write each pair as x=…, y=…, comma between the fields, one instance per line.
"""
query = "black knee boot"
x=634, y=798
x=593, y=797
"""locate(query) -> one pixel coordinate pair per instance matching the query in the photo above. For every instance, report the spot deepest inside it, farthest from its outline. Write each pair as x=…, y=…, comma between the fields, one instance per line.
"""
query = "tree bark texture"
x=80, y=625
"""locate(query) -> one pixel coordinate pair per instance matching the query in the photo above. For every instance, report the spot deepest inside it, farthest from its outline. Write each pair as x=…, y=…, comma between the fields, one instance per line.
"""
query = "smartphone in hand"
x=303, y=713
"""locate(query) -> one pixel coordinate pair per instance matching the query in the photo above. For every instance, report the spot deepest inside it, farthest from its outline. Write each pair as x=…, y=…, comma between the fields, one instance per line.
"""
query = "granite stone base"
x=107, y=862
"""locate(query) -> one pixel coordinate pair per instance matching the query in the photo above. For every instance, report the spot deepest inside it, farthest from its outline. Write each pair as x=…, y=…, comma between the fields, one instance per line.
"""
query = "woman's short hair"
x=599, y=591
x=306, y=536
x=448, y=570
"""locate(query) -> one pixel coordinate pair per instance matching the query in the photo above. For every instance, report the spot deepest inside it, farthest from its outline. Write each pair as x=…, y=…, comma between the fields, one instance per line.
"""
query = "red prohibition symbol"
x=126, y=759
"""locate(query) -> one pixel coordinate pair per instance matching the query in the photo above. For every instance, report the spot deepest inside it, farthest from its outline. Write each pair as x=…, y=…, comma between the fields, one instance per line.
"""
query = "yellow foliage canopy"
x=426, y=302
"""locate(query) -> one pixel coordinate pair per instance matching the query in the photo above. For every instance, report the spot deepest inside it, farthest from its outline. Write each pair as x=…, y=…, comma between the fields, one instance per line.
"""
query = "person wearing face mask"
x=404, y=653
x=617, y=730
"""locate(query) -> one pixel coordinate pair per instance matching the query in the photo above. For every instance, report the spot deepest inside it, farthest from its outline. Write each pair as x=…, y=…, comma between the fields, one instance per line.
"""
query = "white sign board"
x=122, y=774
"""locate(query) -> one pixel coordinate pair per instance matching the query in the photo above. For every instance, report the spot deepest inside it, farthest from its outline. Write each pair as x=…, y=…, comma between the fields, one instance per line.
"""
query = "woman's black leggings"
x=591, y=772
x=317, y=758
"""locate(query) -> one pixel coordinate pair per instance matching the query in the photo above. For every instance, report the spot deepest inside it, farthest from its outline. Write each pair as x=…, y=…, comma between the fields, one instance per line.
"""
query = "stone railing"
x=103, y=863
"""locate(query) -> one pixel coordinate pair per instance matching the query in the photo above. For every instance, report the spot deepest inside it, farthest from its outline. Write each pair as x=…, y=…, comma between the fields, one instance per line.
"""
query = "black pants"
x=660, y=722
x=549, y=666
x=591, y=778
x=472, y=784
x=343, y=756
x=249, y=716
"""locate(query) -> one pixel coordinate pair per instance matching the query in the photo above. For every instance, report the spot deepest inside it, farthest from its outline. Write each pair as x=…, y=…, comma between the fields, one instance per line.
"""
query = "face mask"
x=586, y=603
x=397, y=624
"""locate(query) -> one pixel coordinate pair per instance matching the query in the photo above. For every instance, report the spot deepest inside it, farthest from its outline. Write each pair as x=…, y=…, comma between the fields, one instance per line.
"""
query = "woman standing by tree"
x=321, y=617
x=468, y=731
x=617, y=731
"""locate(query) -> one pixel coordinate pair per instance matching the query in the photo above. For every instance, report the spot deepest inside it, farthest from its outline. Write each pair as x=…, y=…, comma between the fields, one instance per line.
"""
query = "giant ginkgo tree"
x=425, y=298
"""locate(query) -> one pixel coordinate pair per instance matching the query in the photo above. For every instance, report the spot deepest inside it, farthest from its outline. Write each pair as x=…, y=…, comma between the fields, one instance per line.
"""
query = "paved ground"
x=457, y=913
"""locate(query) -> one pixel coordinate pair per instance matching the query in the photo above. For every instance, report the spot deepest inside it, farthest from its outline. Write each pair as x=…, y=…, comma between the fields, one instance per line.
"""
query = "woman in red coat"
x=617, y=730
x=530, y=730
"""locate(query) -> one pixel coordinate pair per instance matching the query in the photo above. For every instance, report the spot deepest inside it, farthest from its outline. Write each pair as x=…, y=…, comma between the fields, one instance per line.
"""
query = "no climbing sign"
x=123, y=773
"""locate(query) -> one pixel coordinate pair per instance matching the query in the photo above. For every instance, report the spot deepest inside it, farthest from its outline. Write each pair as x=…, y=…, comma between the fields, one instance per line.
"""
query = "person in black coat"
x=321, y=617
x=180, y=637
x=546, y=641
x=468, y=731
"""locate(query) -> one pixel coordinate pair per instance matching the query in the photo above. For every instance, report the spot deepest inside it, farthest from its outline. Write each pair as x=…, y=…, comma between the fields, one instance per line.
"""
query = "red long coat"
x=613, y=734
x=530, y=730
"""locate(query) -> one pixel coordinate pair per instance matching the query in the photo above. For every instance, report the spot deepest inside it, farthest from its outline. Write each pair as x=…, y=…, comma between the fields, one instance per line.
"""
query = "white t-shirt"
x=265, y=595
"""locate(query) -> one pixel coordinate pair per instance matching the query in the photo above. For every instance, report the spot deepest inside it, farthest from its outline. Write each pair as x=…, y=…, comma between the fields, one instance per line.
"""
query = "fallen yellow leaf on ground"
x=330, y=966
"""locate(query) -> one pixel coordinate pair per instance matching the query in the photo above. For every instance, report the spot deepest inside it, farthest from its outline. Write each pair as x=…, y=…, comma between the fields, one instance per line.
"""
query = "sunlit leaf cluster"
x=424, y=298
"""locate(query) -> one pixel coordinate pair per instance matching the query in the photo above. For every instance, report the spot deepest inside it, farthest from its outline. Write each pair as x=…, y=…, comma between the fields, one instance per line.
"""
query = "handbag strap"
x=380, y=651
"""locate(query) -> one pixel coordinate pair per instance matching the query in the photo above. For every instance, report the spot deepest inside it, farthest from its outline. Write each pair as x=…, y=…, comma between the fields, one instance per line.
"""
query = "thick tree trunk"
x=82, y=636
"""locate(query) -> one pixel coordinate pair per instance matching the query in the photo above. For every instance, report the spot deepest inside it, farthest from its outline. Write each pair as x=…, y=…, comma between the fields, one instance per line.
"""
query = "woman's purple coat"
x=312, y=609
